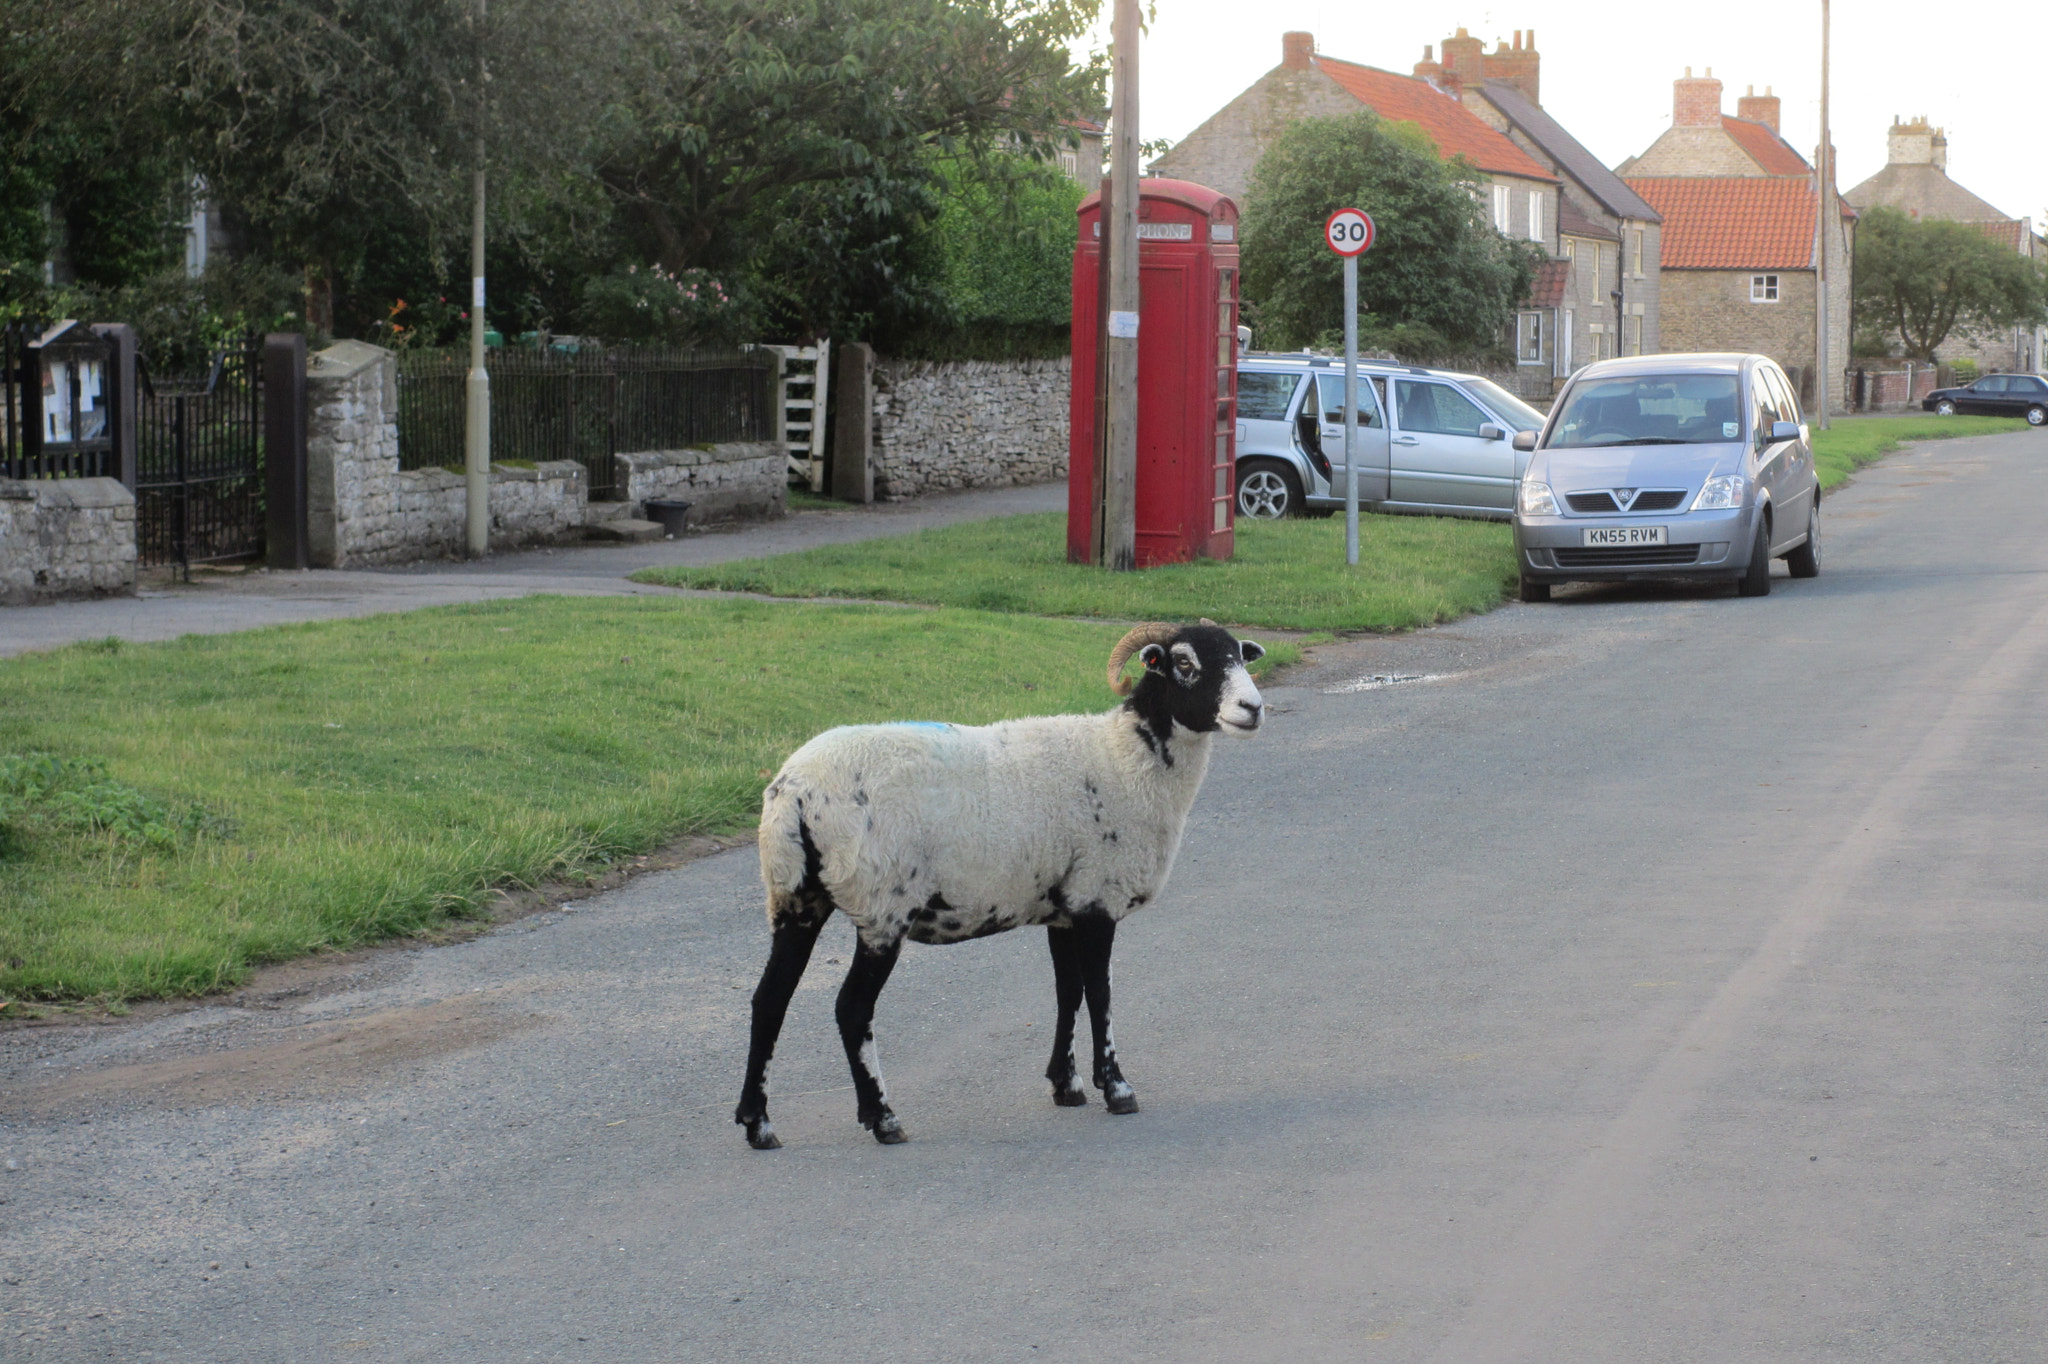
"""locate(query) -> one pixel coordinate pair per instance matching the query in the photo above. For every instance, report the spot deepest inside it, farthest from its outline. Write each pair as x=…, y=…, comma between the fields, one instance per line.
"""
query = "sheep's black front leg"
x=864, y=982
x=1093, y=936
x=788, y=954
x=1066, y=980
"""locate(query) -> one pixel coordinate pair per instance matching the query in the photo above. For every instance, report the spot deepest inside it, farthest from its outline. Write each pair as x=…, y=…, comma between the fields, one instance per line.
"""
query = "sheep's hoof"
x=1120, y=1099
x=1070, y=1096
x=761, y=1134
x=888, y=1130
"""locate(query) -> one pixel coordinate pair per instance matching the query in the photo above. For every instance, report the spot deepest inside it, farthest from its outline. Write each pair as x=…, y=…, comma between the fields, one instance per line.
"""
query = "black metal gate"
x=199, y=481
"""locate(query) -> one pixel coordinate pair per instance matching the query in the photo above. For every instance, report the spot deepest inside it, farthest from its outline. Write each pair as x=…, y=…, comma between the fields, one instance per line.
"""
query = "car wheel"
x=1267, y=490
x=1805, y=560
x=2037, y=415
x=1756, y=582
x=1944, y=408
x=1533, y=590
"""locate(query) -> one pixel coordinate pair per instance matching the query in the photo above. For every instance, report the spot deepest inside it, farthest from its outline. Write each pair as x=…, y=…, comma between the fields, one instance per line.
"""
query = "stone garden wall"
x=968, y=424
x=364, y=509
x=740, y=481
x=65, y=537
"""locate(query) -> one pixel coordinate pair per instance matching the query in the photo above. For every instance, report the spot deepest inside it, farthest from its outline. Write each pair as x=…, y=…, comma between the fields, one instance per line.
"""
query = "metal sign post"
x=1349, y=233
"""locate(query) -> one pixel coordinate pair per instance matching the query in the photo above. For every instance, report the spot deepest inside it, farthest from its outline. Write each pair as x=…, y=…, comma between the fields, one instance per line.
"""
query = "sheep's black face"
x=1197, y=680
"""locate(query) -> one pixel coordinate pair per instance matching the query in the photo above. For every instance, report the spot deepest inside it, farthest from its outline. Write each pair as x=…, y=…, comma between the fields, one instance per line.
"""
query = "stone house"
x=1739, y=251
x=1915, y=181
x=1609, y=238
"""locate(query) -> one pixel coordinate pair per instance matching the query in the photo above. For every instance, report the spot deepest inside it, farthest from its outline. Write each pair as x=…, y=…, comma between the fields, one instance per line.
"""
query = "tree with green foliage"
x=1920, y=281
x=794, y=141
x=1436, y=268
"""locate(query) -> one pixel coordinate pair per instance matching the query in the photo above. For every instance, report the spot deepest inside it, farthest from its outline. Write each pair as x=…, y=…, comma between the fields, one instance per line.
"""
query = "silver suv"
x=1429, y=440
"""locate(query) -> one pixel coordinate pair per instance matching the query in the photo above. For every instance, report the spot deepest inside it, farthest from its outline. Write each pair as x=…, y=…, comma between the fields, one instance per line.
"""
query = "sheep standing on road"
x=940, y=833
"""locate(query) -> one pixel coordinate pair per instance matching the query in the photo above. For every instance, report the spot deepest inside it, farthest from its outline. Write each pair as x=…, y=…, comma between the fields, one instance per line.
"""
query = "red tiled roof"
x=2006, y=234
x=1456, y=130
x=1766, y=148
x=1552, y=279
x=1748, y=222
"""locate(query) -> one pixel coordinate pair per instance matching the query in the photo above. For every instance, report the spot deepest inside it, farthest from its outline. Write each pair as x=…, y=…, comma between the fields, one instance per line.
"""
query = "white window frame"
x=1764, y=289
x=1636, y=252
x=1632, y=334
x=1503, y=210
x=1564, y=342
x=1529, y=338
x=1536, y=215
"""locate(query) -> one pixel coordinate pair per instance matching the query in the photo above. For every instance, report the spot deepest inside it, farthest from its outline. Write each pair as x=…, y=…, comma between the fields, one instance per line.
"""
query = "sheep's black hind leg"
x=864, y=982
x=1066, y=979
x=788, y=954
x=1093, y=937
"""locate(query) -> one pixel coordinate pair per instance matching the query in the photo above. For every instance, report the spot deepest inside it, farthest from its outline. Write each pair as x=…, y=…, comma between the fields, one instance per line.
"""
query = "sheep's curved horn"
x=1158, y=632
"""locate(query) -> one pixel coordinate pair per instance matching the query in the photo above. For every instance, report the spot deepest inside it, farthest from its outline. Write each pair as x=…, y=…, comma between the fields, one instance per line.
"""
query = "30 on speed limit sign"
x=1349, y=232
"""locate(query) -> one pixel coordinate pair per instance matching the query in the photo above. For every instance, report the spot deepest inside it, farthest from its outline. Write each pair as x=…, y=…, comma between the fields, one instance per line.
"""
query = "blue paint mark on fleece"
x=920, y=724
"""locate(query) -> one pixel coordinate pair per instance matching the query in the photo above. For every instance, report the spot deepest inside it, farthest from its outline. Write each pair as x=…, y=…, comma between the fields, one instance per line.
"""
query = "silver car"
x=1669, y=466
x=1432, y=441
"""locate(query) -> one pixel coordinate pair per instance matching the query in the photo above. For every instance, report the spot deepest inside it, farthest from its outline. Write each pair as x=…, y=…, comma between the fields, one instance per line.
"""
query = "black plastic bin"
x=669, y=512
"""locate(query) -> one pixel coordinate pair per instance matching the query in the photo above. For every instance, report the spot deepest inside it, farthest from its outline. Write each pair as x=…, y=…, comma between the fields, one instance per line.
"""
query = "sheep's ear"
x=1153, y=656
x=1251, y=652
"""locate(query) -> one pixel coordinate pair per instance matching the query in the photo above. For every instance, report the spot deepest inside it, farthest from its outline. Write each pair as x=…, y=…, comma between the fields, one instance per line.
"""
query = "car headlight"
x=1722, y=492
x=1535, y=499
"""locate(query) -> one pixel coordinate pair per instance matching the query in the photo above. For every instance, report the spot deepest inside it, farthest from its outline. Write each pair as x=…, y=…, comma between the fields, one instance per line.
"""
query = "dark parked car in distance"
x=1995, y=395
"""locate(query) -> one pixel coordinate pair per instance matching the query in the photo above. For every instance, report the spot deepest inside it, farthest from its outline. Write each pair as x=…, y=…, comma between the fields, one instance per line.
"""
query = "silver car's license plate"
x=1624, y=537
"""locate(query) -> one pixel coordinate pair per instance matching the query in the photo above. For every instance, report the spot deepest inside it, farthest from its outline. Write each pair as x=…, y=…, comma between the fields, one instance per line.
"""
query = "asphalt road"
x=1662, y=981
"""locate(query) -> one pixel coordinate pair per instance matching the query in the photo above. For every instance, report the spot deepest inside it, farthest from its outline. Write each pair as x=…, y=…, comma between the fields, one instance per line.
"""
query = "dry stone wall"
x=969, y=424
x=65, y=537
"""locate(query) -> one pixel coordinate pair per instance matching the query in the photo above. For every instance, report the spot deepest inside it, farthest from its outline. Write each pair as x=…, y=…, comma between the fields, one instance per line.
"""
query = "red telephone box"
x=1187, y=374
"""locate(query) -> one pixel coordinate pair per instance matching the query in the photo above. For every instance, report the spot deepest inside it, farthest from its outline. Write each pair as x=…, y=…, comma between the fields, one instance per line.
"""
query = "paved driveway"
x=1660, y=980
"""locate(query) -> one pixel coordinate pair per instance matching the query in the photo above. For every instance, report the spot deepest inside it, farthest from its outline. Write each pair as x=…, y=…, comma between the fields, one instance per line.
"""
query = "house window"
x=1535, y=215
x=1635, y=246
x=1763, y=288
x=1632, y=334
x=1529, y=339
x=1503, y=207
x=1570, y=248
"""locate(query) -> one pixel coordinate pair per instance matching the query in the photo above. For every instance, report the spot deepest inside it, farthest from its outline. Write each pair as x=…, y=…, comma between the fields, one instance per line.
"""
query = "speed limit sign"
x=1349, y=232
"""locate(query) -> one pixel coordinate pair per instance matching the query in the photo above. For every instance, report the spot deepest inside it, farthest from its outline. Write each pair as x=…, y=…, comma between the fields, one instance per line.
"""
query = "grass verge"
x=183, y=811
x=1412, y=571
x=1849, y=445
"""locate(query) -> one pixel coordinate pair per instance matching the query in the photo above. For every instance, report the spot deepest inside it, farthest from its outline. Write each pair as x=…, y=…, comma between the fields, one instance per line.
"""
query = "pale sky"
x=1608, y=68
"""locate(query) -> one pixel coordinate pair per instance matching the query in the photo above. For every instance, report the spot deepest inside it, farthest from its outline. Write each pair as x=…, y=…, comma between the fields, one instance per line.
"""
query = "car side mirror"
x=1488, y=431
x=1784, y=431
x=1524, y=440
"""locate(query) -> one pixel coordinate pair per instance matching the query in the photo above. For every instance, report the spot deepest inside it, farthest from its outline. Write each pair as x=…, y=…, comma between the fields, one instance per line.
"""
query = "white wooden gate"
x=806, y=372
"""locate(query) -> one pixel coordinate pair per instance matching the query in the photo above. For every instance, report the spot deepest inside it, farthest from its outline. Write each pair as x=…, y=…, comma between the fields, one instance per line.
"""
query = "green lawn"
x=1412, y=571
x=1850, y=444
x=335, y=783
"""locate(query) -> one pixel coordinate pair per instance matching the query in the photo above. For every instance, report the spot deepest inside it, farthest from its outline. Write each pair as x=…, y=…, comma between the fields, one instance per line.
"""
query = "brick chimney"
x=1465, y=58
x=1518, y=65
x=1429, y=68
x=1696, y=101
x=1759, y=108
x=1917, y=143
x=1297, y=50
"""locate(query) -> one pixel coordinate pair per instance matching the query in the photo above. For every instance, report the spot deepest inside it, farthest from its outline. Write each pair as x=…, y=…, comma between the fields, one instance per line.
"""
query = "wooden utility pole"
x=1118, y=357
x=1827, y=222
x=476, y=437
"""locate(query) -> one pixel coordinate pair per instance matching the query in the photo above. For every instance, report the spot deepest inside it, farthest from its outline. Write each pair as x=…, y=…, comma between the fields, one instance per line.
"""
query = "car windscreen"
x=1650, y=409
x=1514, y=414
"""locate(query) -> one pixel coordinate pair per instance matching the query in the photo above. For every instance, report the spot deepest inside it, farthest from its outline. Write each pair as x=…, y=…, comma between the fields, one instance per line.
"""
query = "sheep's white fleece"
x=944, y=832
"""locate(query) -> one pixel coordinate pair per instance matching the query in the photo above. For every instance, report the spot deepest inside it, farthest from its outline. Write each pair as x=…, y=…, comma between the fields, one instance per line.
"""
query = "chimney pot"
x=1297, y=50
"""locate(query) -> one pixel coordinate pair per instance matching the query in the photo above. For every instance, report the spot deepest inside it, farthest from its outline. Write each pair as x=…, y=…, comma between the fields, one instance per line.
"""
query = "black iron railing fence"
x=587, y=406
x=199, y=483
